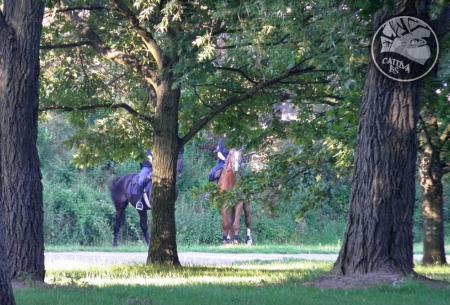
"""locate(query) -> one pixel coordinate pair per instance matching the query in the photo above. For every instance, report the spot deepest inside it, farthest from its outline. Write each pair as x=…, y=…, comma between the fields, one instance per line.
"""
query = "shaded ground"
x=369, y=280
x=324, y=282
x=194, y=258
x=24, y=284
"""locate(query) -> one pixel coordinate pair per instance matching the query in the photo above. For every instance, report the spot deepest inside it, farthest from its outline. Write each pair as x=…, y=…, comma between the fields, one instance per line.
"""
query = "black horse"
x=123, y=191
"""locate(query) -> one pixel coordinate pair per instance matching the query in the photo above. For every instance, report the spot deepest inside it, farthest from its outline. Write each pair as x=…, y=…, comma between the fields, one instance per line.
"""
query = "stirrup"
x=139, y=206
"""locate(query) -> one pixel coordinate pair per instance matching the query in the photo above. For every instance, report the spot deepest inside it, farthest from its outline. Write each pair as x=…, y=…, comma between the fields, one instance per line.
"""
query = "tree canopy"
x=224, y=54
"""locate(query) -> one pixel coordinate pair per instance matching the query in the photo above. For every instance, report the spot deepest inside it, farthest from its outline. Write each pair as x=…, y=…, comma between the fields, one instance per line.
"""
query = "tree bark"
x=163, y=248
x=6, y=292
x=431, y=173
x=21, y=194
x=379, y=235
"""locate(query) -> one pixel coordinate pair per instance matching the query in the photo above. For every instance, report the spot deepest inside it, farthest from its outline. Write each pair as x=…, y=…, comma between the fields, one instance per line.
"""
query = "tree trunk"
x=6, y=293
x=163, y=247
x=431, y=175
x=21, y=195
x=379, y=236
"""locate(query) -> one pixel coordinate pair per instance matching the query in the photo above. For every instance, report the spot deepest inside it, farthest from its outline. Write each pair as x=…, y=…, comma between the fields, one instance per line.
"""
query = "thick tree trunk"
x=431, y=175
x=21, y=195
x=6, y=293
x=379, y=236
x=163, y=247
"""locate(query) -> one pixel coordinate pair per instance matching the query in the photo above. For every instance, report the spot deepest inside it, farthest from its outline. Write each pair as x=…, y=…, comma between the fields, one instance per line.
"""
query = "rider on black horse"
x=146, y=169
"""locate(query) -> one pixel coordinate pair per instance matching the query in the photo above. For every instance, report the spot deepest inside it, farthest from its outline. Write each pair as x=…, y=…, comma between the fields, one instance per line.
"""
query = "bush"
x=78, y=208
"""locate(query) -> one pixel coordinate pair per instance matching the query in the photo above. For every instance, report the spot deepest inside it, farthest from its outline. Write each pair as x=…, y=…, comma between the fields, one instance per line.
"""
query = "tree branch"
x=280, y=41
x=146, y=37
x=445, y=134
x=3, y=23
x=441, y=25
x=200, y=99
x=115, y=55
x=80, y=8
x=65, y=45
x=238, y=71
x=124, y=106
x=242, y=97
x=445, y=170
x=426, y=133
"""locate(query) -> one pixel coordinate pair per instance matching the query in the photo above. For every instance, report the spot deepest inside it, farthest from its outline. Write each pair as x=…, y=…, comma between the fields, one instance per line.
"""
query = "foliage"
x=221, y=50
x=77, y=204
x=78, y=208
x=293, y=178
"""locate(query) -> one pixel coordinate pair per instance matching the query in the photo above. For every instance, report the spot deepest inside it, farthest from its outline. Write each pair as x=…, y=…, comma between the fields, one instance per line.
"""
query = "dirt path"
x=186, y=258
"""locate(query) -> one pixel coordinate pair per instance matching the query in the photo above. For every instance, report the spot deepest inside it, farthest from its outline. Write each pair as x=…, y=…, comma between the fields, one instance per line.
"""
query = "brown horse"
x=231, y=217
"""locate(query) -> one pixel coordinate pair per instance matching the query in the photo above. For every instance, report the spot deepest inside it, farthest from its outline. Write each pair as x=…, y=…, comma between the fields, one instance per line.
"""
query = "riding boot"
x=139, y=204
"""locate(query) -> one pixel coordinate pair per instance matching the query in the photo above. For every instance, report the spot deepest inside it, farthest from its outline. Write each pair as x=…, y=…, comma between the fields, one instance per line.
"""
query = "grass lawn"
x=277, y=282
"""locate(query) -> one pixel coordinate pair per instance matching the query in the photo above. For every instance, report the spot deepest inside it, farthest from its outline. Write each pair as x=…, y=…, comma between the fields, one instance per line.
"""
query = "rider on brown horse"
x=231, y=217
x=222, y=154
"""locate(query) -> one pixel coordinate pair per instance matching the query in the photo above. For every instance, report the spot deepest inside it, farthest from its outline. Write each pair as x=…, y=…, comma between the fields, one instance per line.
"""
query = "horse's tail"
x=113, y=189
x=112, y=184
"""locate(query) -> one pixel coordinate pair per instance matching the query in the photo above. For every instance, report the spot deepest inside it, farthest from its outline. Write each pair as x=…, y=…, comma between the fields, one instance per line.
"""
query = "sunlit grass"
x=275, y=282
x=275, y=272
x=441, y=273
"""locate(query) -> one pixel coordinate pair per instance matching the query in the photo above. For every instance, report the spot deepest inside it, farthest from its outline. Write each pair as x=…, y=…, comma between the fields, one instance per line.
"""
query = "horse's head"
x=234, y=159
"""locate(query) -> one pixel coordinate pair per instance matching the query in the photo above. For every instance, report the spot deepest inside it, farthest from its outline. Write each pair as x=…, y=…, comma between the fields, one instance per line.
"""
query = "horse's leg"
x=236, y=219
x=225, y=226
x=231, y=217
x=247, y=211
x=144, y=225
x=119, y=220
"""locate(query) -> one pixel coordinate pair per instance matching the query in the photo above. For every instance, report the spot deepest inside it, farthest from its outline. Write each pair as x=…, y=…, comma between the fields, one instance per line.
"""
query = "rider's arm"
x=220, y=156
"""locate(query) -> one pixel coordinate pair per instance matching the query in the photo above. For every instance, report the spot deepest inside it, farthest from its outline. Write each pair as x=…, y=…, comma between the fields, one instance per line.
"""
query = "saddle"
x=133, y=185
x=217, y=173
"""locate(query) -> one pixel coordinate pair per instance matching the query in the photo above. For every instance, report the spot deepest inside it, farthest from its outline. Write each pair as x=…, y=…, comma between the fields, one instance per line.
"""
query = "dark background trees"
x=434, y=133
